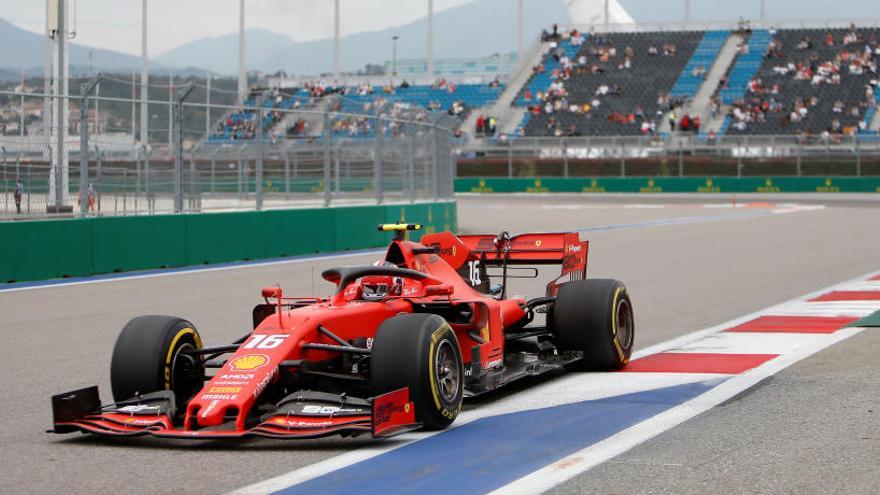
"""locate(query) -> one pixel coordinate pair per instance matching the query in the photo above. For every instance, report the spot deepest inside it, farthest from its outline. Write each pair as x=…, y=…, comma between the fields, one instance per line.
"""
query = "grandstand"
x=735, y=81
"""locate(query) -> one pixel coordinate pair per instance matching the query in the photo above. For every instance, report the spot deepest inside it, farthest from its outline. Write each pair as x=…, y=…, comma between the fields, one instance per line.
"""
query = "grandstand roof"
x=592, y=12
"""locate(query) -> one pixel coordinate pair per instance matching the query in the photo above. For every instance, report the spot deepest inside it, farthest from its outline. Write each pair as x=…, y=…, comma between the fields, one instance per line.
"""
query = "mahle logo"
x=768, y=187
x=710, y=187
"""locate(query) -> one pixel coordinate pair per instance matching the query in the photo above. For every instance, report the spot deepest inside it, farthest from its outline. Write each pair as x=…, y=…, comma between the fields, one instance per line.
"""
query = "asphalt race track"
x=690, y=264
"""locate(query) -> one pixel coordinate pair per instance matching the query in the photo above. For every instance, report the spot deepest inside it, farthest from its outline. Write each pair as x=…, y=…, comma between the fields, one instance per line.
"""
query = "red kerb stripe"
x=849, y=295
x=672, y=362
x=794, y=324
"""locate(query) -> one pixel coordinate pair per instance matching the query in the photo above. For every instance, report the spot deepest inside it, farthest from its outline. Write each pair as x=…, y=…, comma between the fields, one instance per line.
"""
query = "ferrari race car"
x=397, y=346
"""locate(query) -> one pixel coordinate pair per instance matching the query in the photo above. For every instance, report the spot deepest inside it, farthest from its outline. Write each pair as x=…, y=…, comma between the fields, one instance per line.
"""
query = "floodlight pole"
x=607, y=13
x=145, y=81
x=61, y=104
x=242, y=71
x=431, y=39
x=687, y=12
x=208, y=78
x=520, y=29
x=394, y=58
x=763, y=13
x=337, y=41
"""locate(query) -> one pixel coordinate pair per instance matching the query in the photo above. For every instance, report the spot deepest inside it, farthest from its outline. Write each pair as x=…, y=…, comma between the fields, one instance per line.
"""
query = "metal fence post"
x=258, y=179
x=378, y=161
x=99, y=164
x=213, y=172
x=83, y=151
x=287, y=174
x=798, y=152
x=241, y=175
x=739, y=158
x=84, y=90
x=564, y=159
x=137, y=179
x=509, y=160
x=411, y=166
x=5, y=182
x=435, y=157
x=858, y=158
x=680, y=159
x=622, y=161
x=178, y=154
x=124, y=190
x=337, y=173
x=326, y=143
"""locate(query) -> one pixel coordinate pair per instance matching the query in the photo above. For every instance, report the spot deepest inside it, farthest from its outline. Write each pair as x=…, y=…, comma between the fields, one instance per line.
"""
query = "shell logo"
x=538, y=243
x=406, y=407
x=248, y=362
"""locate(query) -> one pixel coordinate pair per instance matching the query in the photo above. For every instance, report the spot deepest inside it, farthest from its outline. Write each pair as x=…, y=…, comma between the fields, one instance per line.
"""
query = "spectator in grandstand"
x=480, y=126
x=695, y=124
x=672, y=120
x=16, y=194
x=699, y=71
x=685, y=125
x=652, y=50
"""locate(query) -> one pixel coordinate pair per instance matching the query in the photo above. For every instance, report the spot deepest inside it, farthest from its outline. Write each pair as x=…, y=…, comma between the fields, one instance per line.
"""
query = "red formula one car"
x=396, y=347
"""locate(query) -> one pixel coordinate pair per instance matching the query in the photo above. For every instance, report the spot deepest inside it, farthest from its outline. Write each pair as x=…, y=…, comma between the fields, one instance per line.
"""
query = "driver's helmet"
x=378, y=287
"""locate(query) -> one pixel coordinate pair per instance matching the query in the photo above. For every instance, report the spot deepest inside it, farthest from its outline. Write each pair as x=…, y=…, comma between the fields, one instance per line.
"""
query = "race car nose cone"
x=212, y=414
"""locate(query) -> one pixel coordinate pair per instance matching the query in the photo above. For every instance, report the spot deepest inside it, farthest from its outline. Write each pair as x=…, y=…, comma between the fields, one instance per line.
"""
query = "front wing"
x=387, y=415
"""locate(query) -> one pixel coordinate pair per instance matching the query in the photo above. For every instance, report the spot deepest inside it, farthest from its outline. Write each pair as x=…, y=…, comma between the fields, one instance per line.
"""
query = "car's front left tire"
x=149, y=356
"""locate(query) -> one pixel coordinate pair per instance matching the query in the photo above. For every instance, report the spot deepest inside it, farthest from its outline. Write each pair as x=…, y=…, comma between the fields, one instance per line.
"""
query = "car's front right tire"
x=421, y=352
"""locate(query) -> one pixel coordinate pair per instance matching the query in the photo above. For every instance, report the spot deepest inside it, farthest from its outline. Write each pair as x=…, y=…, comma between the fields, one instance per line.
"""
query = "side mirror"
x=439, y=290
x=274, y=292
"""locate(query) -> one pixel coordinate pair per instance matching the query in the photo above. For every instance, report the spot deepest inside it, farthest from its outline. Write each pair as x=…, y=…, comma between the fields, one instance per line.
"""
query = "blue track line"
x=491, y=452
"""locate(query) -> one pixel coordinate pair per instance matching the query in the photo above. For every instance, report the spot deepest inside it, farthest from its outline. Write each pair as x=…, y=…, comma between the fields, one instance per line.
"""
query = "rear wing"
x=564, y=248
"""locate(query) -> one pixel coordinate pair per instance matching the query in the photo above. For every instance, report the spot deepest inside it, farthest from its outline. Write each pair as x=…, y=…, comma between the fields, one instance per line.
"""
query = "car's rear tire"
x=147, y=358
x=595, y=317
x=420, y=351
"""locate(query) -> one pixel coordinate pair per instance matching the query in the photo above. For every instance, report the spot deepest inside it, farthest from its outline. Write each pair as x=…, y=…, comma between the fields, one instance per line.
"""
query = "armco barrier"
x=669, y=185
x=46, y=249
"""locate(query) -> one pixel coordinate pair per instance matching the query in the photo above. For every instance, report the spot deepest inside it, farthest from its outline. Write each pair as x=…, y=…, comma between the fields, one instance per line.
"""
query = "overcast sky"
x=115, y=24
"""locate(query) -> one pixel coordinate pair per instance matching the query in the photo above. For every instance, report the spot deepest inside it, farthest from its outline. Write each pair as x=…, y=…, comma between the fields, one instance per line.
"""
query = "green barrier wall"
x=669, y=185
x=40, y=250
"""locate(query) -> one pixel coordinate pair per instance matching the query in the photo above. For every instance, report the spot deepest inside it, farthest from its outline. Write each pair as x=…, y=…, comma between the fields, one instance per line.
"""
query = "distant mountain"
x=475, y=29
x=220, y=54
x=23, y=50
x=479, y=28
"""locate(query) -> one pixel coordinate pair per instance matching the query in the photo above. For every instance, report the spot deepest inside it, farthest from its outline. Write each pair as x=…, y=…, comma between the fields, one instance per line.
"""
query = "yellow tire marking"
x=614, y=339
x=180, y=334
x=434, y=338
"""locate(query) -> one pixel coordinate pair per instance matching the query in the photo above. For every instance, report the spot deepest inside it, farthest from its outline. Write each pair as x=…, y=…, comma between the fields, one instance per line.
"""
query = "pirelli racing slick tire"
x=420, y=351
x=147, y=358
x=595, y=317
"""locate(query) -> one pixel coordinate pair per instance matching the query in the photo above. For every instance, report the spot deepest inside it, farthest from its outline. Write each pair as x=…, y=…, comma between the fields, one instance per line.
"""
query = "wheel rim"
x=184, y=373
x=624, y=324
x=447, y=371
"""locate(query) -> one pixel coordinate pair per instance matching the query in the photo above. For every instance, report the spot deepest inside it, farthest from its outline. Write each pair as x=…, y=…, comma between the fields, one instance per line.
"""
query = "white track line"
x=569, y=467
x=680, y=415
x=195, y=270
